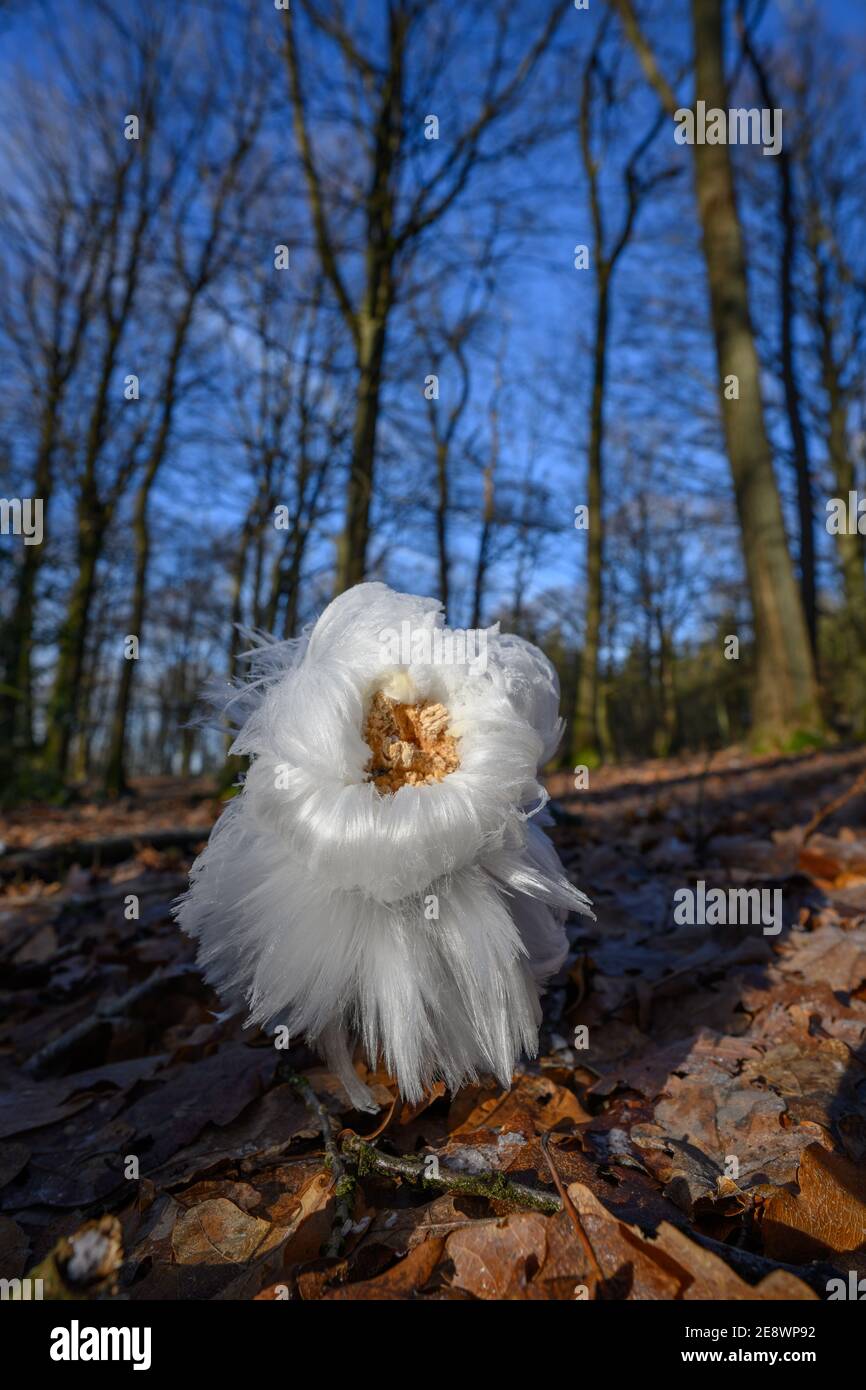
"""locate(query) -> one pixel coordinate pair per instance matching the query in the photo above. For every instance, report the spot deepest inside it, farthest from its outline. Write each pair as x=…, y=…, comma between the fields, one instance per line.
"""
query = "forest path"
x=708, y=1124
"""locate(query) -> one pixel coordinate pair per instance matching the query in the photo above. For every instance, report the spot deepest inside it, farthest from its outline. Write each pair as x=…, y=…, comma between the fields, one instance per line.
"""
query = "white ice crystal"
x=315, y=902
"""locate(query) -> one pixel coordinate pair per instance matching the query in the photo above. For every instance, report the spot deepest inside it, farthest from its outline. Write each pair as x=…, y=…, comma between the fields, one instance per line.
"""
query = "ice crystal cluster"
x=383, y=878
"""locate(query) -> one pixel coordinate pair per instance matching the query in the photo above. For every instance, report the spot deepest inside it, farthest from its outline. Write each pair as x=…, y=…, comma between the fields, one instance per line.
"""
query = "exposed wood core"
x=409, y=744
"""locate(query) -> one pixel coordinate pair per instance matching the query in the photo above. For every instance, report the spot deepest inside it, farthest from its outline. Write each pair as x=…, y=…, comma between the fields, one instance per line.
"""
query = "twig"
x=106, y=1012
x=344, y=1182
x=568, y=1204
x=50, y=860
x=415, y=1171
x=857, y=786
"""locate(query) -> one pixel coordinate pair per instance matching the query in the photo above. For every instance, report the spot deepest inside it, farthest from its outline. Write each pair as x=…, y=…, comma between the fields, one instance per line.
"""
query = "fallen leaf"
x=402, y=1281
x=218, y=1232
x=828, y=1214
x=626, y=1254
x=498, y=1260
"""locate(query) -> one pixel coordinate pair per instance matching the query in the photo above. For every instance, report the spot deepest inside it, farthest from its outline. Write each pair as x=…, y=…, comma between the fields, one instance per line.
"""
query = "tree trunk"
x=115, y=773
x=352, y=556
x=785, y=696
x=488, y=512
x=293, y=590
x=666, y=729
x=481, y=564
x=586, y=740
x=93, y=519
x=187, y=747
x=805, y=501
x=286, y=580
x=851, y=547
x=851, y=550
x=72, y=642
x=442, y=521
x=238, y=573
x=16, y=694
x=800, y=449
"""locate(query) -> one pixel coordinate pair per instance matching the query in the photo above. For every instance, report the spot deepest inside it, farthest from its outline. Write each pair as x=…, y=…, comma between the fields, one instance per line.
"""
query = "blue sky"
x=661, y=403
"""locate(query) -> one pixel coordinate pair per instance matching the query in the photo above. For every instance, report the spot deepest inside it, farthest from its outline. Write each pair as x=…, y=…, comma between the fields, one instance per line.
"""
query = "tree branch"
x=646, y=56
x=494, y=1186
x=314, y=182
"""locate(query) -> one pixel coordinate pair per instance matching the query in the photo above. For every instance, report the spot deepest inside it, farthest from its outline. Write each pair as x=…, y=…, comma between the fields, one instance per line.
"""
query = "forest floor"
x=694, y=1127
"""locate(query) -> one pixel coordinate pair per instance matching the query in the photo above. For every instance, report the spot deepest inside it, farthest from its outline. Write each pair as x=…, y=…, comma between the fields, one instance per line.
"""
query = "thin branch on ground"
x=568, y=1204
x=857, y=786
x=344, y=1181
x=436, y=1178
x=108, y=1011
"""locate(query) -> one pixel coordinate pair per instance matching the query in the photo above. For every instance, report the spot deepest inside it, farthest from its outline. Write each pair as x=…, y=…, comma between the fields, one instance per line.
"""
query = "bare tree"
x=227, y=201
x=388, y=112
x=292, y=428
x=785, y=695
x=446, y=338
x=56, y=214
x=139, y=177
x=834, y=300
x=598, y=87
x=790, y=224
